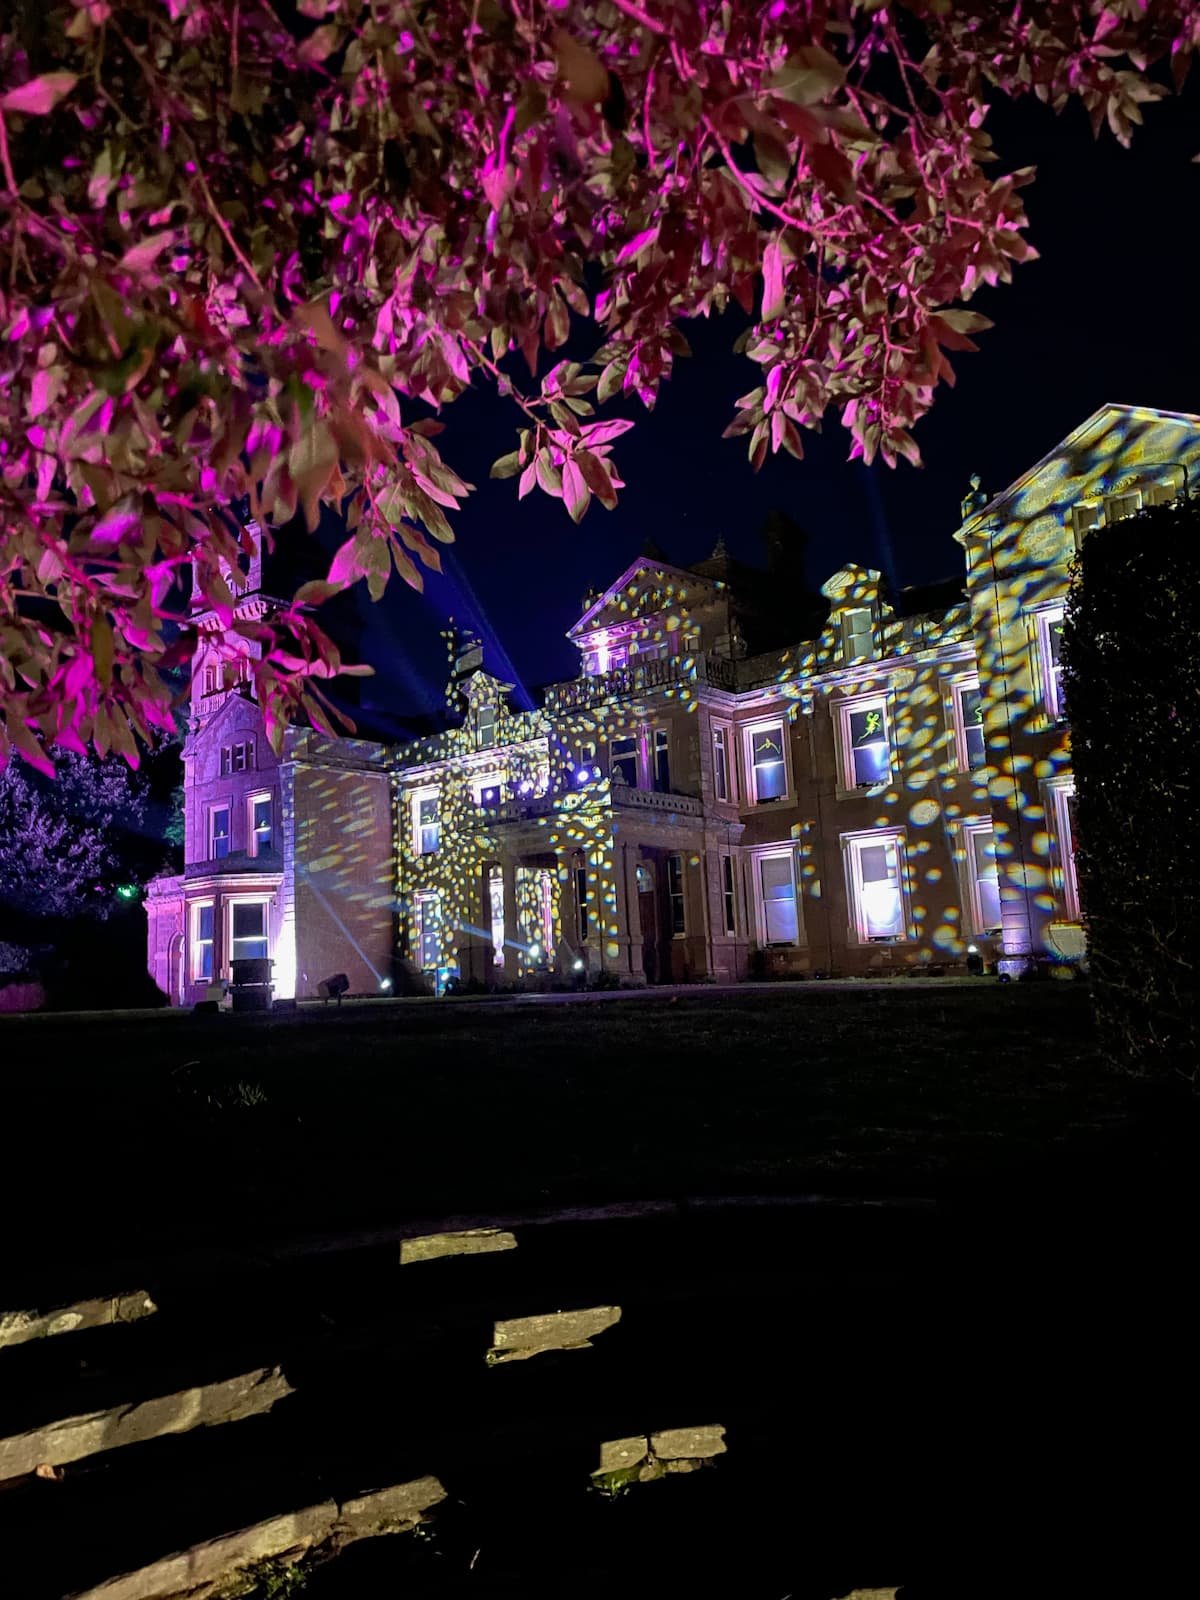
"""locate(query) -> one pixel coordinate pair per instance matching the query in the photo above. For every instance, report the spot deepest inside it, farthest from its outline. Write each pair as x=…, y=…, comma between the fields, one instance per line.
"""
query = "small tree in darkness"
x=1131, y=648
x=65, y=845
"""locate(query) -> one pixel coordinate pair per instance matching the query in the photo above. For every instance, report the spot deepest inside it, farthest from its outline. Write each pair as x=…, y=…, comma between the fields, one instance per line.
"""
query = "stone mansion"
x=704, y=800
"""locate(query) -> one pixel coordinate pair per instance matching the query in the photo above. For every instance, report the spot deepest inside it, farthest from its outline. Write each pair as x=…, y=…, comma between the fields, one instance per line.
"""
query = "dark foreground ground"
x=987, y=1389
x=130, y=1134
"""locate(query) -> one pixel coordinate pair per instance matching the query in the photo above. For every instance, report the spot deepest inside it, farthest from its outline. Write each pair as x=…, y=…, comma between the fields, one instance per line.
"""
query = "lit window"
x=777, y=898
x=1050, y=630
x=768, y=767
x=675, y=894
x=489, y=791
x=721, y=764
x=486, y=727
x=865, y=754
x=202, y=941
x=1062, y=794
x=260, y=823
x=581, y=903
x=728, y=895
x=249, y=930
x=874, y=881
x=496, y=913
x=219, y=831
x=428, y=942
x=858, y=642
x=1119, y=506
x=968, y=725
x=662, y=760
x=623, y=763
x=426, y=825
x=983, y=876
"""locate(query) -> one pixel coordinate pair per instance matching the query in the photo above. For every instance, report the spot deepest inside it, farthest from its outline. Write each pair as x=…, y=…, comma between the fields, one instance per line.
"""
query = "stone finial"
x=719, y=550
x=974, y=499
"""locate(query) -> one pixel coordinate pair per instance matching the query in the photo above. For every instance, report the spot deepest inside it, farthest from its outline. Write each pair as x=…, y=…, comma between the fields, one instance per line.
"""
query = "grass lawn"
x=126, y=1134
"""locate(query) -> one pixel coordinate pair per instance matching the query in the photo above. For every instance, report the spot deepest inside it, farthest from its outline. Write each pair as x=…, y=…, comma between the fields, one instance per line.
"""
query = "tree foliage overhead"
x=239, y=243
x=1133, y=694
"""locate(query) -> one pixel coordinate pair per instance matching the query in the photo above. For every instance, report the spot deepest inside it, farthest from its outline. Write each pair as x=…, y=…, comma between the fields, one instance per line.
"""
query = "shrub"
x=1131, y=649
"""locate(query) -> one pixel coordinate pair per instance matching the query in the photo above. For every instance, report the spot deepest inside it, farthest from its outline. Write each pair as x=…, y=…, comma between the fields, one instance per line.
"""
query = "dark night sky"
x=1109, y=312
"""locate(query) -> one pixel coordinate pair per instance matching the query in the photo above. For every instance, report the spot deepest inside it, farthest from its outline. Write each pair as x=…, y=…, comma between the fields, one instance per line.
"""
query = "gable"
x=646, y=589
x=1116, y=447
x=236, y=714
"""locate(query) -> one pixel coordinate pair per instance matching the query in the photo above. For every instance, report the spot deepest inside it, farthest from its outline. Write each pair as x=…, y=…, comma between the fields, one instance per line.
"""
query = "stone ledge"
x=73, y=1438
x=19, y=1327
x=522, y=1337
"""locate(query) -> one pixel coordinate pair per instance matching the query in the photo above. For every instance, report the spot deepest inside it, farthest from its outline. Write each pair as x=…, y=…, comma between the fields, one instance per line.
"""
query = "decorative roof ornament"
x=974, y=500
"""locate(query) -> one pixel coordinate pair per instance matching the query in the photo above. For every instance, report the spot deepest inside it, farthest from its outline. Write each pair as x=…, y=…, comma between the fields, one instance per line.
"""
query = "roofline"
x=635, y=566
x=973, y=523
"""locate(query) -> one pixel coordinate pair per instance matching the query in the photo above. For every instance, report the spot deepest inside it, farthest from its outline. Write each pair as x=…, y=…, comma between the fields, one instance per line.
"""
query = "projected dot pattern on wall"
x=892, y=794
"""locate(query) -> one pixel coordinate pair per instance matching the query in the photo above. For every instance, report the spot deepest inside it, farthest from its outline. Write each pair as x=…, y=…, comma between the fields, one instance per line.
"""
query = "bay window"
x=1049, y=634
x=248, y=930
x=1061, y=796
x=203, y=923
x=721, y=785
x=728, y=894
x=259, y=818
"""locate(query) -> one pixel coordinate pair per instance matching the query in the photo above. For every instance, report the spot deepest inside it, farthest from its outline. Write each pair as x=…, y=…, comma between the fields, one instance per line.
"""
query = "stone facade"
x=891, y=794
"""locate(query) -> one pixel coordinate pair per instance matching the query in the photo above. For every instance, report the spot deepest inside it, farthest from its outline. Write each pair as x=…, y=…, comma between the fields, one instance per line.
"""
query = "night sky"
x=1108, y=313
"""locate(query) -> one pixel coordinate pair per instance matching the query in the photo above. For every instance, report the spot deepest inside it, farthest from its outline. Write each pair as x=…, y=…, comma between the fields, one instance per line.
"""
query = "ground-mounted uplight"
x=385, y=984
x=578, y=966
x=127, y=891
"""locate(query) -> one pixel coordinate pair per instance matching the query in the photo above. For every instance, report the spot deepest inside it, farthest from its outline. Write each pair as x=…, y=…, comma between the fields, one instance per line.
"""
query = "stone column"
x=629, y=911
x=508, y=868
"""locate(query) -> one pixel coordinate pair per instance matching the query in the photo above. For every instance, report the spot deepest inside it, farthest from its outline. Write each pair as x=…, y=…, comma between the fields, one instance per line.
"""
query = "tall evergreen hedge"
x=1131, y=652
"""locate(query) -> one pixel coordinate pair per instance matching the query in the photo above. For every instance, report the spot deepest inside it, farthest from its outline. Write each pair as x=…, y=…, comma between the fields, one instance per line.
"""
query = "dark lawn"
x=128, y=1134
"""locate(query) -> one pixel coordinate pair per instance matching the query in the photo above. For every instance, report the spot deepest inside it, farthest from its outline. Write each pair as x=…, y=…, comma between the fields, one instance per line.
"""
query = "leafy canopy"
x=244, y=247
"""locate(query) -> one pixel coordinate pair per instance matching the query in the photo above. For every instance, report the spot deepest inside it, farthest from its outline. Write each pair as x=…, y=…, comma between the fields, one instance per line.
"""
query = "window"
x=428, y=942
x=728, y=895
x=488, y=790
x=486, y=727
x=983, y=877
x=218, y=827
x=865, y=754
x=662, y=760
x=496, y=913
x=202, y=941
x=426, y=825
x=1050, y=628
x=675, y=894
x=768, y=765
x=581, y=903
x=1084, y=519
x=777, y=897
x=858, y=641
x=248, y=928
x=260, y=823
x=210, y=679
x=1062, y=797
x=1119, y=506
x=237, y=758
x=968, y=725
x=874, y=881
x=623, y=763
x=721, y=764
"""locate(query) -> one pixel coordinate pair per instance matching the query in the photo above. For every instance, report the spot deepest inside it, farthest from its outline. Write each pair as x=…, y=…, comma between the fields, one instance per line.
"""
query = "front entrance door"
x=648, y=912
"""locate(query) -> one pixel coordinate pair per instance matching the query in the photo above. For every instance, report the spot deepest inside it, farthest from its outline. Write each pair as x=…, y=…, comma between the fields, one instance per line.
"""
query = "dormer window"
x=858, y=638
x=485, y=727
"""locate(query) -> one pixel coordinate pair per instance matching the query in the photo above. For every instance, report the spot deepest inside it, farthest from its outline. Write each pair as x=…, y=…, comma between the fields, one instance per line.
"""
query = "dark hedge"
x=1131, y=652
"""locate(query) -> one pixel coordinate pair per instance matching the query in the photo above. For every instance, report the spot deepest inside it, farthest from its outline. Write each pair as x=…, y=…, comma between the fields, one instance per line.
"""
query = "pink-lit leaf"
x=774, y=304
x=575, y=491
x=40, y=95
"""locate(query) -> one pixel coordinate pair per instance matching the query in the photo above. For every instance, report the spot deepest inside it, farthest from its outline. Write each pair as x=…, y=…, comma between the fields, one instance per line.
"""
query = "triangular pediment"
x=481, y=689
x=1114, y=448
x=645, y=589
x=851, y=585
x=237, y=713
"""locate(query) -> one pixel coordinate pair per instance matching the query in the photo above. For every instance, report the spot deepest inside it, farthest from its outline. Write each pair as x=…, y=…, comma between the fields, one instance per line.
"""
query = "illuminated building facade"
x=286, y=857
x=892, y=794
